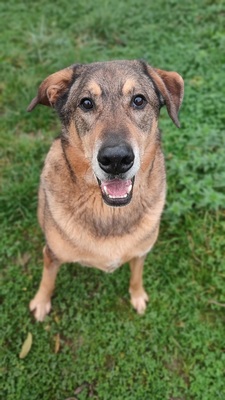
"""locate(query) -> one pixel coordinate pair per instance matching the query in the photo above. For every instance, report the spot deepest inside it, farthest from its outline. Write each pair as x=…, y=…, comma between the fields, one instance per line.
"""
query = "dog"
x=103, y=186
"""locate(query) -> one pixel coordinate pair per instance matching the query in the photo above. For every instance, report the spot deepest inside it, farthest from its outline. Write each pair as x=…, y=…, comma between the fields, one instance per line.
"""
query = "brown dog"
x=103, y=185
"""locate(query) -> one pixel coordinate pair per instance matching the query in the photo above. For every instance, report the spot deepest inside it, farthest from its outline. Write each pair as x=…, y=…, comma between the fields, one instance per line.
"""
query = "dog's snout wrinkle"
x=116, y=159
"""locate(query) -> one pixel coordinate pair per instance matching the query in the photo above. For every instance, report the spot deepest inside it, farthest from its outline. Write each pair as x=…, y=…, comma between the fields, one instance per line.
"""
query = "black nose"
x=116, y=159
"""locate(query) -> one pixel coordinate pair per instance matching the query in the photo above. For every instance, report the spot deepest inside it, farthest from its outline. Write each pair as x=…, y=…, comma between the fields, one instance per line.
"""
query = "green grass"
x=176, y=351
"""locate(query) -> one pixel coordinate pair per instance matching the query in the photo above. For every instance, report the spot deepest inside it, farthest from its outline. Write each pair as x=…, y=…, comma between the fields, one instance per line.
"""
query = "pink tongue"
x=116, y=187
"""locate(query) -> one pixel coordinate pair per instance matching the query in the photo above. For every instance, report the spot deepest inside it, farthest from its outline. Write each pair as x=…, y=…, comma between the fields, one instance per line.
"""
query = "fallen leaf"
x=23, y=259
x=80, y=388
x=89, y=386
x=57, y=343
x=56, y=318
x=47, y=328
x=72, y=398
x=26, y=346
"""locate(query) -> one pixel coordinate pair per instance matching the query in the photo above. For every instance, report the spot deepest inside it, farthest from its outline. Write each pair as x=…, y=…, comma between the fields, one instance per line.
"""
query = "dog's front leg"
x=138, y=295
x=41, y=303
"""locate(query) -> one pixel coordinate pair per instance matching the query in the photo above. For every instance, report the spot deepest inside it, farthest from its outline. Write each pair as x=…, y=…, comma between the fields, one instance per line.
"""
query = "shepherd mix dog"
x=103, y=185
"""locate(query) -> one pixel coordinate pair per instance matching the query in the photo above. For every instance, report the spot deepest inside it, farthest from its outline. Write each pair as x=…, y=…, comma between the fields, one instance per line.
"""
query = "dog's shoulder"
x=54, y=158
x=55, y=172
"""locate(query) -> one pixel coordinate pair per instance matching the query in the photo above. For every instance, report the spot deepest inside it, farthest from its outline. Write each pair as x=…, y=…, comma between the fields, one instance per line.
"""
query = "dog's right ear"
x=171, y=87
x=52, y=87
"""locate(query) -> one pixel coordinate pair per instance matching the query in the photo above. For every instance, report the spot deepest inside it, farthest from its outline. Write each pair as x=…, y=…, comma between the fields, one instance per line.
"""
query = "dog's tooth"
x=105, y=189
x=117, y=197
x=129, y=189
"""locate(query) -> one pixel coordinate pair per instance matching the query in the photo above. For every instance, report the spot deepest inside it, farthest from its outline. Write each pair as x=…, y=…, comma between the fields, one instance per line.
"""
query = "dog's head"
x=109, y=113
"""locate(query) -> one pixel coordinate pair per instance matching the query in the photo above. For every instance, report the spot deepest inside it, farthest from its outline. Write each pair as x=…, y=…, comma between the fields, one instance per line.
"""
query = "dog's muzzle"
x=115, y=161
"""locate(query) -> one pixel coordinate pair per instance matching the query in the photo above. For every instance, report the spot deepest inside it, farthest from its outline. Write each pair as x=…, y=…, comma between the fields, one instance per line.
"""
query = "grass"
x=93, y=345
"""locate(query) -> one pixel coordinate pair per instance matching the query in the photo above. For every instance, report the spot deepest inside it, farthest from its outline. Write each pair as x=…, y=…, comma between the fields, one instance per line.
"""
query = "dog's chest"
x=100, y=237
x=107, y=266
x=71, y=241
x=110, y=253
x=113, y=265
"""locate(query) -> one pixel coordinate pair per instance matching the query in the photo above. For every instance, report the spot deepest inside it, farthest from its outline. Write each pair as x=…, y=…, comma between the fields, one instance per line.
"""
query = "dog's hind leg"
x=138, y=295
x=41, y=303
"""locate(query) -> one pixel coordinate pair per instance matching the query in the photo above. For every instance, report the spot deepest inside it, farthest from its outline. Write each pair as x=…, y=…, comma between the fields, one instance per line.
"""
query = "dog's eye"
x=139, y=101
x=86, y=104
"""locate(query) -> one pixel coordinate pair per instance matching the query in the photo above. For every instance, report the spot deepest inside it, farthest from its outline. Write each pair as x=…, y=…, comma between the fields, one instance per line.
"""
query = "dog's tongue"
x=116, y=187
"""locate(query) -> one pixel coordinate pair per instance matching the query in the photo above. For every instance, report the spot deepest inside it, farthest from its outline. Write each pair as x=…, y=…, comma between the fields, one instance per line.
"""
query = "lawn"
x=93, y=345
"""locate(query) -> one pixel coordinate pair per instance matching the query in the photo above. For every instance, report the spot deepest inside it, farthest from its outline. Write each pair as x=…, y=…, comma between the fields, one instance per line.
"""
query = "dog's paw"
x=139, y=301
x=40, y=307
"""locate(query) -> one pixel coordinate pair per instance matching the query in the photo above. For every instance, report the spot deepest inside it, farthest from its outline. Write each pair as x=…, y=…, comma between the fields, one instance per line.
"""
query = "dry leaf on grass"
x=26, y=346
x=23, y=259
x=57, y=343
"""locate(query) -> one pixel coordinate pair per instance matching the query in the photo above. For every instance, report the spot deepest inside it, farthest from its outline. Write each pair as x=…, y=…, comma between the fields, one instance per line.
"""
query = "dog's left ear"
x=171, y=87
x=52, y=87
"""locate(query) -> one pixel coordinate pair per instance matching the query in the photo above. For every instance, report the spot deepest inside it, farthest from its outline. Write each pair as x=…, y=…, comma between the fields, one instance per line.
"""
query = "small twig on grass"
x=216, y=303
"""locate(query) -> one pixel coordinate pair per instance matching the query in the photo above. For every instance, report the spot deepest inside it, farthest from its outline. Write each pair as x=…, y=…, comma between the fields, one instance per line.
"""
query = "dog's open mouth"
x=117, y=192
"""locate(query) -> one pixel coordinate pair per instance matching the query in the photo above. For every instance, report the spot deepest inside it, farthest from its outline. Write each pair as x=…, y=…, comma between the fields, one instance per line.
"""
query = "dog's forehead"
x=119, y=76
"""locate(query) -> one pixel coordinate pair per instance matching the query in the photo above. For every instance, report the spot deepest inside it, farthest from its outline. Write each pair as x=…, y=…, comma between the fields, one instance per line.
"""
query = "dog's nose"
x=116, y=159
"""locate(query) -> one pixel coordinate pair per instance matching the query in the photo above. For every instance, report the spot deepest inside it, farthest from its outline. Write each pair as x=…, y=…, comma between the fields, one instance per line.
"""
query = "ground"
x=93, y=345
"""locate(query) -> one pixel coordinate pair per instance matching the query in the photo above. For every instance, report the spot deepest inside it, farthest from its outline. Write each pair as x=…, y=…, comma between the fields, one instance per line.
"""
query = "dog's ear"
x=171, y=87
x=51, y=88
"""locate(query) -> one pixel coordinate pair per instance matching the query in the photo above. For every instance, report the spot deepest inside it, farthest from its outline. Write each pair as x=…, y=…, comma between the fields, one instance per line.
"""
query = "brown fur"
x=78, y=225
